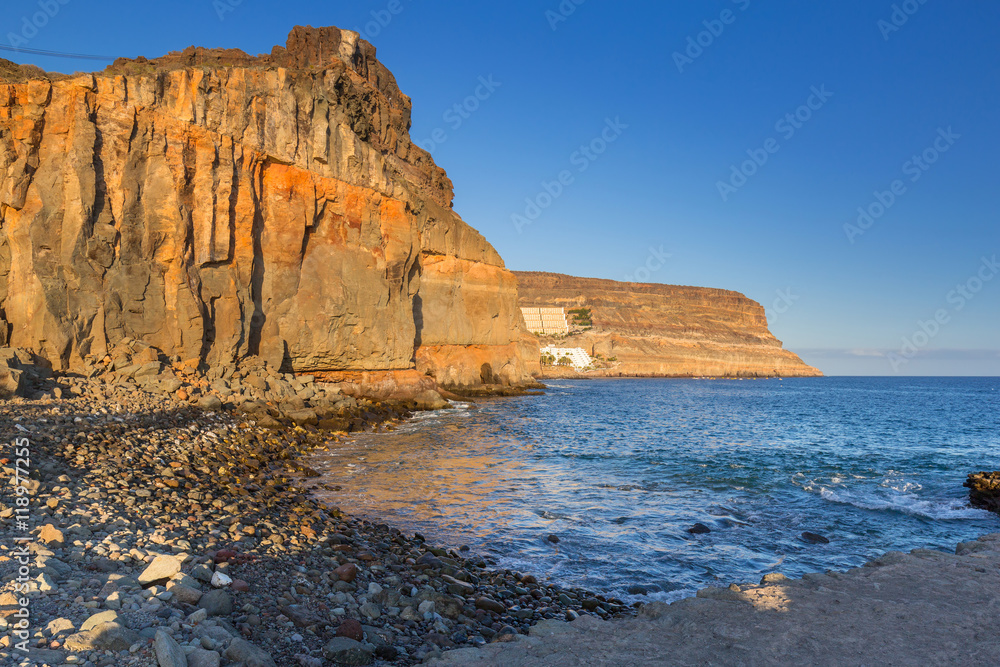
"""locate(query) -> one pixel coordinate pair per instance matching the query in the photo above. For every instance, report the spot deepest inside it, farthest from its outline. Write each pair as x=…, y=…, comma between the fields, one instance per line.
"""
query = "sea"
x=597, y=483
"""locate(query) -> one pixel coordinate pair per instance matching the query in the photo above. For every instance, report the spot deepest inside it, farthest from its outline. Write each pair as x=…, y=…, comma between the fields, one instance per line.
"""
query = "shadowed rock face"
x=984, y=490
x=217, y=205
x=665, y=330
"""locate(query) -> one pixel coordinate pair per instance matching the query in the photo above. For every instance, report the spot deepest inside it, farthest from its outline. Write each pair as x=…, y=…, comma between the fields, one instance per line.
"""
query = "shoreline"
x=924, y=607
x=597, y=375
x=123, y=481
x=371, y=511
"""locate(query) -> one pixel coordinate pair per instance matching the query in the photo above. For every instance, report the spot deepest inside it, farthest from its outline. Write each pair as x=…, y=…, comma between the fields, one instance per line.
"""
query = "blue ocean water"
x=619, y=470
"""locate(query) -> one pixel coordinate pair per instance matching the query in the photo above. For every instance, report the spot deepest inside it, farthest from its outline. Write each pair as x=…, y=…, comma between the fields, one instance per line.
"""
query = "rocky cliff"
x=664, y=330
x=216, y=205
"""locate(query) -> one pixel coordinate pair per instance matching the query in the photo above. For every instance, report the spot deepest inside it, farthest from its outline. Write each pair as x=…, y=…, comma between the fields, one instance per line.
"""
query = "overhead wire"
x=55, y=54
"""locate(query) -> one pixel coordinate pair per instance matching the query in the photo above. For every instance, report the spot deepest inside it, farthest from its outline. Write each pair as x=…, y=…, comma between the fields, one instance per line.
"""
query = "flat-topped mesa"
x=217, y=205
x=666, y=330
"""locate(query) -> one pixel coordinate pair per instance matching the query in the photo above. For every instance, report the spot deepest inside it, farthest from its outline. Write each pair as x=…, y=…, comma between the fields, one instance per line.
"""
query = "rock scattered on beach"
x=196, y=530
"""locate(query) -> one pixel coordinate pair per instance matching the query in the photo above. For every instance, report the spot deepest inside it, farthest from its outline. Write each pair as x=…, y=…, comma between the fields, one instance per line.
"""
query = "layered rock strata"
x=218, y=206
x=666, y=330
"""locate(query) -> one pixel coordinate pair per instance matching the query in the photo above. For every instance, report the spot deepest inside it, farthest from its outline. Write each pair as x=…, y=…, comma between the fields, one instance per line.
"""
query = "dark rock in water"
x=984, y=490
x=699, y=529
x=637, y=589
x=554, y=539
x=814, y=538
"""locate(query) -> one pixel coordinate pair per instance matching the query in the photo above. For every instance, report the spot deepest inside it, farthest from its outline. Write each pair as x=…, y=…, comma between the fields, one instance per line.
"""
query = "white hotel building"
x=577, y=355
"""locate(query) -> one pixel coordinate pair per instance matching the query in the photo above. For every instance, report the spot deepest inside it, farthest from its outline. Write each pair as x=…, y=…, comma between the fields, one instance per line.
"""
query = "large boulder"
x=19, y=370
x=11, y=382
x=430, y=400
x=249, y=655
x=984, y=490
x=159, y=570
x=344, y=651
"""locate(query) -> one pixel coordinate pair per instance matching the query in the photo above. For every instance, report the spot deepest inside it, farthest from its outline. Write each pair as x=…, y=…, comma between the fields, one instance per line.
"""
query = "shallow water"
x=620, y=469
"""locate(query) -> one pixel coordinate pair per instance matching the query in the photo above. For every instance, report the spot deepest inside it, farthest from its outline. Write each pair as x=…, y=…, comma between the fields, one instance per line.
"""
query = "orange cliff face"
x=666, y=330
x=216, y=205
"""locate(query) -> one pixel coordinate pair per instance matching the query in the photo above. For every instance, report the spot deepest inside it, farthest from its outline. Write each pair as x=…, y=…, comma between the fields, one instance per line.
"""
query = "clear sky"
x=669, y=124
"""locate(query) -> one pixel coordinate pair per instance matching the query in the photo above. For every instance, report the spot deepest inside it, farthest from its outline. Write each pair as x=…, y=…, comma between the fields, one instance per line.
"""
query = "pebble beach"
x=164, y=532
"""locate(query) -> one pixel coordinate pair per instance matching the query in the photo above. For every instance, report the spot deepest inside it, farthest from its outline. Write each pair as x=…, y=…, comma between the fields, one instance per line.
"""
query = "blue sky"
x=683, y=94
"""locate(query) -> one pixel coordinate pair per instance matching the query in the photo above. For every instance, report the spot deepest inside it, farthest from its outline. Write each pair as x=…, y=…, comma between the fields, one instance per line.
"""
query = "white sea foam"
x=908, y=503
x=656, y=596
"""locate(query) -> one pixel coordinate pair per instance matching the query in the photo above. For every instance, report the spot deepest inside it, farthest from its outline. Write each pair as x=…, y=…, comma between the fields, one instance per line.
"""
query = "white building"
x=546, y=321
x=577, y=355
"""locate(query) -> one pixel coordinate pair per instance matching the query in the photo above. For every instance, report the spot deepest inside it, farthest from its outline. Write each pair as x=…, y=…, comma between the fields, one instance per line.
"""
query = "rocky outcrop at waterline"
x=217, y=206
x=984, y=490
x=641, y=329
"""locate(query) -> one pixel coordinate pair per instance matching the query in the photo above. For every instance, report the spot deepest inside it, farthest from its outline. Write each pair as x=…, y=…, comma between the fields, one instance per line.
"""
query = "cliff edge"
x=217, y=205
x=665, y=330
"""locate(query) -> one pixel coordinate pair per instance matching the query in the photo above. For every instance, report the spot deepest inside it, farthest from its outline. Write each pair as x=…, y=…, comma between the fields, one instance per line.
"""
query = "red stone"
x=224, y=555
x=351, y=629
x=347, y=572
x=240, y=585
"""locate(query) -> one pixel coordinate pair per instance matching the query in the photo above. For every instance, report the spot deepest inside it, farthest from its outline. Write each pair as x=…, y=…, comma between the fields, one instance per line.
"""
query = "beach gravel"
x=158, y=524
